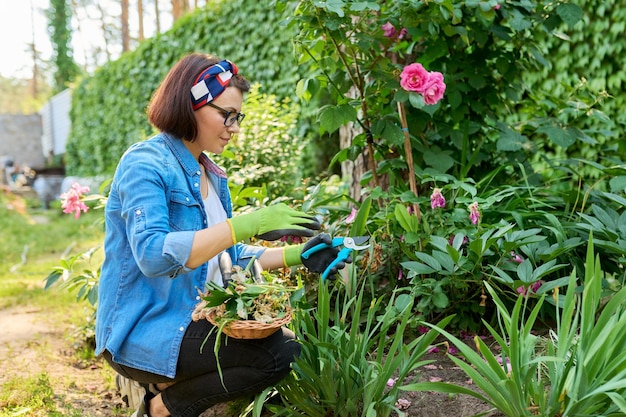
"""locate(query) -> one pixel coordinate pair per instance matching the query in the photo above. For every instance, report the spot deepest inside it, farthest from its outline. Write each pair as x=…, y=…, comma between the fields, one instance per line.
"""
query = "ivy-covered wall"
x=587, y=60
x=109, y=109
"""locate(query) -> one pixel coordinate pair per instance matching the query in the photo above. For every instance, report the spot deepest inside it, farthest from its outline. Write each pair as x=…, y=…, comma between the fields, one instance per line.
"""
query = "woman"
x=168, y=217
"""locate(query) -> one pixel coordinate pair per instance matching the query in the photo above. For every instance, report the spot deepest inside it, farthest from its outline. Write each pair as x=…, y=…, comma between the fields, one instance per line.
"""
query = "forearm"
x=208, y=243
x=272, y=258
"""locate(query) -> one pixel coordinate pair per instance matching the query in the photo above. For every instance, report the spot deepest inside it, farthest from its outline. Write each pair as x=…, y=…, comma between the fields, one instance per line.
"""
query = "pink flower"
x=291, y=239
x=532, y=288
x=389, y=30
x=434, y=88
x=437, y=199
x=516, y=258
x=451, y=240
x=351, y=216
x=71, y=200
x=496, y=7
x=391, y=382
x=504, y=363
x=474, y=213
x=414, y=77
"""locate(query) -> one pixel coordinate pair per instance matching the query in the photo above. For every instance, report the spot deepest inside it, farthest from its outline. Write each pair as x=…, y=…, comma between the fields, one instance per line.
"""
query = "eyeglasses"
x=230, y=117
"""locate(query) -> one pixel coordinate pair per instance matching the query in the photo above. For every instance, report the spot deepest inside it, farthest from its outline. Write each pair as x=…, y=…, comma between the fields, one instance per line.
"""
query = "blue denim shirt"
x=146, y=293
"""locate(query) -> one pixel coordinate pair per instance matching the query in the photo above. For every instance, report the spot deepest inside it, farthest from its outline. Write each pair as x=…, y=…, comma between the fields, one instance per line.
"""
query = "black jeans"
x=248, y=367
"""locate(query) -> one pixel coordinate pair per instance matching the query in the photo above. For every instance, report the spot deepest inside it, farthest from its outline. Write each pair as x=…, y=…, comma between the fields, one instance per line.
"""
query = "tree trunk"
x=105, y=32
x=125, y=29
x=179, y=8
x=34, y=86
x=352, y=171
x=157, y=18
x=140, y=17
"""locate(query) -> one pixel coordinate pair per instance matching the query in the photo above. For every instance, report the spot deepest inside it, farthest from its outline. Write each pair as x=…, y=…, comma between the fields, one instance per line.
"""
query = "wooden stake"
x=408, y=151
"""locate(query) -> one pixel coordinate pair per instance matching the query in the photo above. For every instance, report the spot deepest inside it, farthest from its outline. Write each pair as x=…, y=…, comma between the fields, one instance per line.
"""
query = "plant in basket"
x=247, y=308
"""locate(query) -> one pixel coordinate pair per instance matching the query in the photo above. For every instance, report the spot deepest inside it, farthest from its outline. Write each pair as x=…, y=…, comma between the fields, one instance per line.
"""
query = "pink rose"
x=414, y=77
x=433, y=88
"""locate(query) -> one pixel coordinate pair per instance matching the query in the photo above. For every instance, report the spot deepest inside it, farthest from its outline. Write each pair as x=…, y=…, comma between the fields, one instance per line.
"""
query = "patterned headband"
x=211, y=83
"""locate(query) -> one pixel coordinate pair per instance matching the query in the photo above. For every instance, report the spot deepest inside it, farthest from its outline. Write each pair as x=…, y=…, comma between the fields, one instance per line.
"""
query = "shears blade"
x=356, y=242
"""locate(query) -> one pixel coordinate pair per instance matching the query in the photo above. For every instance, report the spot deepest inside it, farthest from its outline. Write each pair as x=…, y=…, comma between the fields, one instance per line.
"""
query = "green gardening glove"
x=320, y=260
x=272, y=223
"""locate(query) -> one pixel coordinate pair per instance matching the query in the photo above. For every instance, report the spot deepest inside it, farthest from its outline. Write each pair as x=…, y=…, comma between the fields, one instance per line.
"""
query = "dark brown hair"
x=170, y=108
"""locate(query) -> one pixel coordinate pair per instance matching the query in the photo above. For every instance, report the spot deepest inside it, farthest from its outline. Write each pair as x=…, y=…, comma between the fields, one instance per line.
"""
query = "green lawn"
x=32, y=242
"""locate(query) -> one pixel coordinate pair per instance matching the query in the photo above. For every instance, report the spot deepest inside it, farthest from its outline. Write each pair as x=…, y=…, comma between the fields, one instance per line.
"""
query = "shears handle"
x=342, y=256
x=338, y=241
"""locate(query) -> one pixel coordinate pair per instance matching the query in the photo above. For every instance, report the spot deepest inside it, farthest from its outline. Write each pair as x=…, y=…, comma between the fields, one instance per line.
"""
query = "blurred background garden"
x=494, y=208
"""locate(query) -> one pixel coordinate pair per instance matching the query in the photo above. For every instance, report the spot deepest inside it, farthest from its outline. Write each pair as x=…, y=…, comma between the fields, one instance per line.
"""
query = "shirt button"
x=195, y=185
x=137, y=212
x=187, y=198
x=197, y=297
x=198, y=172
x=181, y=328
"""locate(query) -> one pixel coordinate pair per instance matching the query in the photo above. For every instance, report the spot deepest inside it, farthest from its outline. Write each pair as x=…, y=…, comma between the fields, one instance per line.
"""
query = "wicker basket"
x=250, y=329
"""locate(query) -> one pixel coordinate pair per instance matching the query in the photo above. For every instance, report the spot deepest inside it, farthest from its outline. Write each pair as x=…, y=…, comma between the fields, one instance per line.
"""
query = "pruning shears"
x=349, y=244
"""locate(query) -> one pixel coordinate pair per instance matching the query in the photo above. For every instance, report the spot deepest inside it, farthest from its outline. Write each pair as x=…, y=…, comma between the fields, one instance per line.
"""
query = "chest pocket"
x=185, y=212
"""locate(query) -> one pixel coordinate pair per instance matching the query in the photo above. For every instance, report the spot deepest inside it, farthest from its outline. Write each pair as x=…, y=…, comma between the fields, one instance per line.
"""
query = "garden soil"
x=31, y=345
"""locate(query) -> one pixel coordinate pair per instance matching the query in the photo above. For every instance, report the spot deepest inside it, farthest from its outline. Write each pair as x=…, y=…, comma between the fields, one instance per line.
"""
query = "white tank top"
x=215, y=214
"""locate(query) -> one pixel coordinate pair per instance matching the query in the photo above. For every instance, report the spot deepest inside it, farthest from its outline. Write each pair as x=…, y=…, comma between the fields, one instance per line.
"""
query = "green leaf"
x=416, y=100
x=558, y=135
x=402, y=302
x=525, y=272
x=440, y=160
x=440, y=300
x=364, y=5
x=407, y=222
x=331, y=118
x=570, y=13
x=335, y=6
x=429, y=260
x=390, y=132
x=52, y=278
x=417, y=268
x=510, y=140
x=618, y=184
x=360, y=221
x=502, y=276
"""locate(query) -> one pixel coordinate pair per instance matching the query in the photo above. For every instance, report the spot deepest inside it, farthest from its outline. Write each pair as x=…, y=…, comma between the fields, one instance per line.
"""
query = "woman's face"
x=213, y=136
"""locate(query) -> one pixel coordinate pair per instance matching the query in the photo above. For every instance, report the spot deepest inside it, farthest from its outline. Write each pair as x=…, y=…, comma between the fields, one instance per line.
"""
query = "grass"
x=32, y=242
x=32, y=396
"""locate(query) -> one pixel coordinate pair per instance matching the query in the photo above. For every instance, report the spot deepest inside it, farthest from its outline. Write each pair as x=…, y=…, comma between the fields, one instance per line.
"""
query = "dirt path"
x=31, y=346
x=19, y=325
